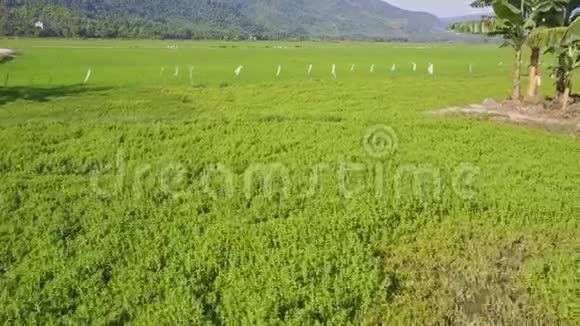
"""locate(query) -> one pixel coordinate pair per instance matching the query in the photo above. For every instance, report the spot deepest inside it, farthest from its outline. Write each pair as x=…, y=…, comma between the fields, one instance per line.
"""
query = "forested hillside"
x=213, y=19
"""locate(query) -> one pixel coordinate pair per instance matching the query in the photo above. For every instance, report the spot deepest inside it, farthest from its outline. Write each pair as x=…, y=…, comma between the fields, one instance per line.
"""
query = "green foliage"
x=515, y=20
x=567, y=49
x=104, y=218
x=546, y=37
x=487, y=26
x=570, y=58
x=573, y=32
x=209, y=19
x=521, y=22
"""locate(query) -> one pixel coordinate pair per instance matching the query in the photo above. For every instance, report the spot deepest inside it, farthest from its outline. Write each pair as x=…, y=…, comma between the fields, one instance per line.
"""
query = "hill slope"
x=214, y=18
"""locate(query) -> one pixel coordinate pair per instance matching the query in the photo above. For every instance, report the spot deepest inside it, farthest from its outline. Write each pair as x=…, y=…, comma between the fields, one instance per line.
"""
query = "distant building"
x=39, y=24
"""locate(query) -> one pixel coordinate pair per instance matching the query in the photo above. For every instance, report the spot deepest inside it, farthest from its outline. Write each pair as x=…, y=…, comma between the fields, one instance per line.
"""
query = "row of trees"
x=548, y=25
x=150, y=20
x=64, y=22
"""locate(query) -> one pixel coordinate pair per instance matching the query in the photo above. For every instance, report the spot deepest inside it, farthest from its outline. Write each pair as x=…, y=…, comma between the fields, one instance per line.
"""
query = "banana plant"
x=514, y=20
x=509, y=23
x=550, y=15
x=567, y=50
x=568, y=61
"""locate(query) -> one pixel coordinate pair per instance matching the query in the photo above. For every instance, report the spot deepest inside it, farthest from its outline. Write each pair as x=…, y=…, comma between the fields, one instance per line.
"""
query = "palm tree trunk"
x=560, y=84
x=533, y=74
x=517, y=94
x=565, y=98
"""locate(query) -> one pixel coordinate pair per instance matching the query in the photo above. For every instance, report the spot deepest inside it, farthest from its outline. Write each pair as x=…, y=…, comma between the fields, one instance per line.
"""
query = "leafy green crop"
x=133, y=198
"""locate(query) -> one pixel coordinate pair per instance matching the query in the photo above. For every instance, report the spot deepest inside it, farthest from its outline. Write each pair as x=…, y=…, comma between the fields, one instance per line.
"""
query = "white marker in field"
x=394, y=67
x=176, y=73
x=238, y=70
x=372, y=68
x=88, y=76
x=191, y=68
x=414, y=67
x=351, y=68
x=431, y=69
x=279, y=71
x=309, y=70
x=333, y=71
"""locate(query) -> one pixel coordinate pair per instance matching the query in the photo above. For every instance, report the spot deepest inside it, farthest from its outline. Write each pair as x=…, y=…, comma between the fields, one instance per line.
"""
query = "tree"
x=550, y=14
x=515, y=20
x=565, y=44
x=510, y=24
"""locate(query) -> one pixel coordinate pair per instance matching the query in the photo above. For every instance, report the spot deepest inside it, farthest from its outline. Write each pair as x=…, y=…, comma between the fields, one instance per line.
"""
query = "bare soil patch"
x=546, y=115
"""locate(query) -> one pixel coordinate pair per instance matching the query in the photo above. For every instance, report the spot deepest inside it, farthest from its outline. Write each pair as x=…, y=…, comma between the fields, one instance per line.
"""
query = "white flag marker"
x=88, y=76
x=414, y=67
x=279, y=71
x=333, y=71
x=352, y=68
x=394, y=67
x=176, y=73
x=309, y=70
x=191, y=68
x=238, y=70
x=431, y=69
x=372, y=68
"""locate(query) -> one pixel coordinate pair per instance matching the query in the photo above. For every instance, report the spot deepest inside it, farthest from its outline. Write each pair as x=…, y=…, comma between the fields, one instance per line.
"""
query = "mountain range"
x=222, y=19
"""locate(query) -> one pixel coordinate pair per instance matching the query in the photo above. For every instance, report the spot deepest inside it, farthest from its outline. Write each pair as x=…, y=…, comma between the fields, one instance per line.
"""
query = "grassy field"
x=130, y=63
x=150, y=197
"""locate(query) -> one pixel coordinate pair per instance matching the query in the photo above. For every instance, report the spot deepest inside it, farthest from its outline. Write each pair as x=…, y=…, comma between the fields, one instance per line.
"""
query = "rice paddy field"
x=144, y=182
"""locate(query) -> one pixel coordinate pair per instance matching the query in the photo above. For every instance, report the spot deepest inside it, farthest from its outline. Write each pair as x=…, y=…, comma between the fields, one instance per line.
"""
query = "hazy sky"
x=441, y=8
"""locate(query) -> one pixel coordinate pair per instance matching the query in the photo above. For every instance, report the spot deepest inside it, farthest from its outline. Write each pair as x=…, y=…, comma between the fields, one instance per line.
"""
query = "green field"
x=146, y=197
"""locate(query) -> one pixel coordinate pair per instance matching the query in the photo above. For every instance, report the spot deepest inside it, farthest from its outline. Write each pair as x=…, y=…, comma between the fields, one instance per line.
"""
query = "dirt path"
x=532, y=115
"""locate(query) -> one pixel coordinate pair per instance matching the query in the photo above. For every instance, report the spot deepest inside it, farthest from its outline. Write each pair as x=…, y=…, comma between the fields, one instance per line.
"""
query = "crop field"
x=143, y=184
